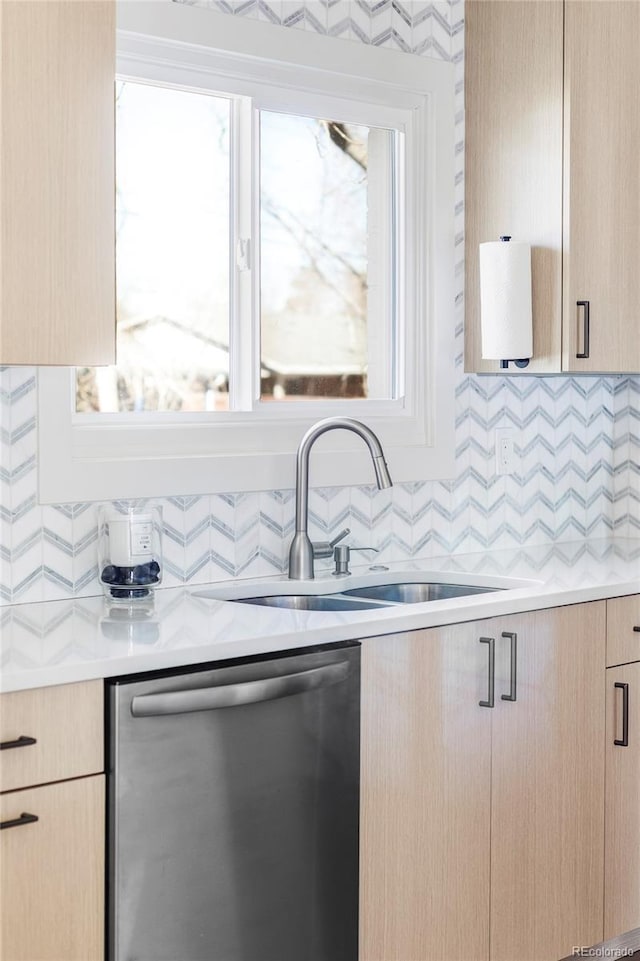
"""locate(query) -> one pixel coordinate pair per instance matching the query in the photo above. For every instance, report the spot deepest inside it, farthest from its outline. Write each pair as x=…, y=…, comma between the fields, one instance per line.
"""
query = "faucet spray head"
x=383, y=478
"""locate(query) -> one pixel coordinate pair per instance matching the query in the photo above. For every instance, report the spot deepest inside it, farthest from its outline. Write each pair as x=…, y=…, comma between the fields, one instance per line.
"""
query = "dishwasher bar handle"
x=236, y=695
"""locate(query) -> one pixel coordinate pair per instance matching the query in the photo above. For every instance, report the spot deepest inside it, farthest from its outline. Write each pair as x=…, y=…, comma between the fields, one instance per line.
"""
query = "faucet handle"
x=339, y=537
x=342, y=555
x=325, y=548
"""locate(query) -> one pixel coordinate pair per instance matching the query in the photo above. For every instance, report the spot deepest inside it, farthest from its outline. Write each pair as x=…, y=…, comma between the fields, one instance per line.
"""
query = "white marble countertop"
x=58, y=642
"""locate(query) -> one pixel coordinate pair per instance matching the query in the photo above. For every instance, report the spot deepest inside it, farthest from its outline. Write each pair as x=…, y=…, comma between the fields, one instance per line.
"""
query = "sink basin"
x=312, y=602
x=356, y=599
x=417, y=593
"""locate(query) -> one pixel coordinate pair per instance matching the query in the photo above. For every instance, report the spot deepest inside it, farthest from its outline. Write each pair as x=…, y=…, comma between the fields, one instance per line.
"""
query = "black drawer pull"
x=491, y=677
x=22, y=741
x=18, y=822
x=513, y=638
x=624, y=740
x=585, y=336
x=637, y=628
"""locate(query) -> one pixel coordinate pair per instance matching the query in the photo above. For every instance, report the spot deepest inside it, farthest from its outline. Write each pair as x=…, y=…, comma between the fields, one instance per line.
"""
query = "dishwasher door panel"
x=234, y=830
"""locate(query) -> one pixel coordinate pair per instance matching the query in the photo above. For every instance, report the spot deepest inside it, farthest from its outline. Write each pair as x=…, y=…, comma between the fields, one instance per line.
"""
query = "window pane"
x=172, y=255
x=326, y=231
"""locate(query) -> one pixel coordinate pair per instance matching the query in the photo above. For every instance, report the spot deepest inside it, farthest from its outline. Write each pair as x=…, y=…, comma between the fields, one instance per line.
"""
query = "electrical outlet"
x=505, y=451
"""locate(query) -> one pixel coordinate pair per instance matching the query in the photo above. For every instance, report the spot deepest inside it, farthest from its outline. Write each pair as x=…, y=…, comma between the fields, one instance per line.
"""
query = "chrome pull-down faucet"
x=301, y=552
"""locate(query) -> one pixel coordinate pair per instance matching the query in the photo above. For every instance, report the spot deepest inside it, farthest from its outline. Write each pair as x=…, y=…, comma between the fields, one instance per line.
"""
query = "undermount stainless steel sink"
x=311, y=602
x=389, y=594
x=416, y=593
x=366, y=598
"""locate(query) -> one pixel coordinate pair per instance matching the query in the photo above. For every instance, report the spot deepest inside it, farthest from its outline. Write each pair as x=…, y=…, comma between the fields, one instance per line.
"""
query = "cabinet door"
x=623, y=630
x=622, y=822
x=548, y=785
x=57, y=287
x=513, y=159
x=52, y=872
x=602, y=185
x=425, y=797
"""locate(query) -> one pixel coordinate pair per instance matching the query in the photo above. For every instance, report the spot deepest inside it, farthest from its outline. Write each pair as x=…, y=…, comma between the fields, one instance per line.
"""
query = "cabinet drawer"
x=65, y=722
x=52, y=872
x=623, y=630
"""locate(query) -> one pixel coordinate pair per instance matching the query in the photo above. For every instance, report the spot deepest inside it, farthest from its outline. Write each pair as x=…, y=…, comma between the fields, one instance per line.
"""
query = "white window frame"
x=145, y=455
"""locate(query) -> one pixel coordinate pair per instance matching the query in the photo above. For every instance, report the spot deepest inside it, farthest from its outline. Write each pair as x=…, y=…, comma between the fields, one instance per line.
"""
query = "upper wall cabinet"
x=602, y=186
x=552, y=158
x=513, y=158
x=57, y=276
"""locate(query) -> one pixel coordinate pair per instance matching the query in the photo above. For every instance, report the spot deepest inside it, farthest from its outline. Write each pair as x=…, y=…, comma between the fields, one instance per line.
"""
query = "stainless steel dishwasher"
x=233, y=811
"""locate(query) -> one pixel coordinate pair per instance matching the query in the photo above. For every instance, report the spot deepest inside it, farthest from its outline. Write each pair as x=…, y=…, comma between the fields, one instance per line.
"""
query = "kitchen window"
x=319, y=243
x=284, y=245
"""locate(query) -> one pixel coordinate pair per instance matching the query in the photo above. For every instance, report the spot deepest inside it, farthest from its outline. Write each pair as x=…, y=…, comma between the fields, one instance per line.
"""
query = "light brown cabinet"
x=51, y=734
x=52, y=872
x=57, y=249
x=552, y=158
x=601, y=260
x=53, y=824
x=622, y=819
x=623, y=630
x=513, y=159
x=425, y=797
x=482, y=828
x=547, y=844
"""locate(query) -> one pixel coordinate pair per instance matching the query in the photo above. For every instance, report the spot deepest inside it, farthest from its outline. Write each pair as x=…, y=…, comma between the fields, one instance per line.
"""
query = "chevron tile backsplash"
x=578, y=438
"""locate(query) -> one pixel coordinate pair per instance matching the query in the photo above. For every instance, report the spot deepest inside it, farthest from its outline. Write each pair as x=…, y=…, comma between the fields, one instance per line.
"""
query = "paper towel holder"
x=519, y=363
x=504, y=364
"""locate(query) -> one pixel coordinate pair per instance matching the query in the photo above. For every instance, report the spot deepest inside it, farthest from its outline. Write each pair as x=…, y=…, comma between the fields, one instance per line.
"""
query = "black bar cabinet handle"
x=637, y=628
x=512, y=695
x=586, y=322
x=492, y=671
x=22, y=741
x=624, y=740
x=18, y=822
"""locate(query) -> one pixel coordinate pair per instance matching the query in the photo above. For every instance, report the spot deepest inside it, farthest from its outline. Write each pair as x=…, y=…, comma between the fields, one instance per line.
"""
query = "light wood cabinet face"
x=482, y=832
x=547, y=844
x=57, y=282
x=602, y=184
x=52, y=873
x=552, y=157
x=623, y=630
x=425, y=796
x=622, y=823
x=513, y=158
x=67, y=724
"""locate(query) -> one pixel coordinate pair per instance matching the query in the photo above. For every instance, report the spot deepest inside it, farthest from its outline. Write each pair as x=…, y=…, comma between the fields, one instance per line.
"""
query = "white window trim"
x=254, y=451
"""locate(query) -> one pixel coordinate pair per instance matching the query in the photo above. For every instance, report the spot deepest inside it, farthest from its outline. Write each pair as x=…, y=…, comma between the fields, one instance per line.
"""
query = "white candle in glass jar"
x=130, y=539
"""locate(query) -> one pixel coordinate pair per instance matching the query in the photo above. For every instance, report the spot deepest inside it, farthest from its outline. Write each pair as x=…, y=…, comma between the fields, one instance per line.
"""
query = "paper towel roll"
x=505, y=300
